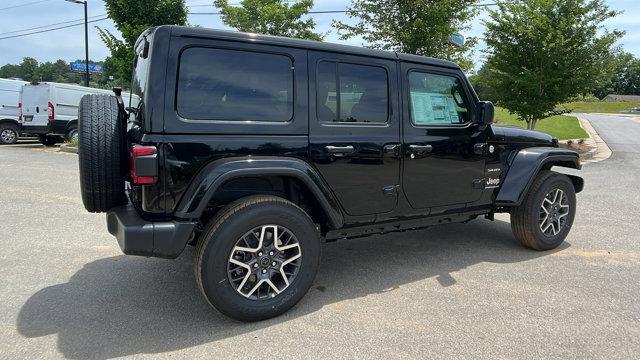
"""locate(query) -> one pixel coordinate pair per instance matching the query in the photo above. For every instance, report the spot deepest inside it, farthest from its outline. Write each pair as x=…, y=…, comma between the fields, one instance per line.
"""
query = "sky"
x=68, y=43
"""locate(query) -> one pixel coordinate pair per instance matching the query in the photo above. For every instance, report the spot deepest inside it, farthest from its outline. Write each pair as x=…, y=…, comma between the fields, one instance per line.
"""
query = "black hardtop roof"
x=305, y=44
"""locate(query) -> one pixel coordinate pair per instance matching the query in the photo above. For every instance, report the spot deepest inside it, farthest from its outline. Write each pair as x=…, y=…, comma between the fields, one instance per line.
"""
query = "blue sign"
x=456, y=40
x=78, y=66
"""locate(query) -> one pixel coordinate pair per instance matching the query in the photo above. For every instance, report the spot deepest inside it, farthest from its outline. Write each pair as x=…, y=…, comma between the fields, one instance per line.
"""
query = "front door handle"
x=342, y=150
x=421, y=148
x=392, y=149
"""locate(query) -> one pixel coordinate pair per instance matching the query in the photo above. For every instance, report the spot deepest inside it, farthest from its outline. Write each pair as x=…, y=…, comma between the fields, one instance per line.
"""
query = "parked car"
x=50, y=110
x=255, y=148
x=9, y=110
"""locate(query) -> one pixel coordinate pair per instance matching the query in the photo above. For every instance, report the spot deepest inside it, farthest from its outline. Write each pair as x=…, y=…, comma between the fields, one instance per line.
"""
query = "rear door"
x=35, y=99
x=354, y=130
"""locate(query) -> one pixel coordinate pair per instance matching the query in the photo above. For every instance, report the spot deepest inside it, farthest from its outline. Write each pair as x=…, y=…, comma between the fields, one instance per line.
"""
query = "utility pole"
x=86, y=40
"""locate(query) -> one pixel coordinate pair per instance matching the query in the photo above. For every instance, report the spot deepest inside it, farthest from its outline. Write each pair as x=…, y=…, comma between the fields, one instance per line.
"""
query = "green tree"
x=132, y=18
x=273, y=17
x=9, y=71
x=28, y=69
x=542, y=53
x=628, y=80
x=421, y=27
x=624, y=78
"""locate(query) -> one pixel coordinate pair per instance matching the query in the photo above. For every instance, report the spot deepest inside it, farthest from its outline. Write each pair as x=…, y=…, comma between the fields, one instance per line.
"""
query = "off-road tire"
x=221, y=234
x=11, y=130
x=525, y=219
x=102, y=154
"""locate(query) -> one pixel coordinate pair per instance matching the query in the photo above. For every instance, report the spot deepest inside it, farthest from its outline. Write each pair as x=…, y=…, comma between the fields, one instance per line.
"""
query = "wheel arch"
x=71, y=125
x=209, y=182
x=10, y=121
x=526, y=165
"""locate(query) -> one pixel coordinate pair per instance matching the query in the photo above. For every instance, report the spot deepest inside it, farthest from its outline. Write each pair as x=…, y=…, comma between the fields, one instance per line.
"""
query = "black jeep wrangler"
x=256, y=148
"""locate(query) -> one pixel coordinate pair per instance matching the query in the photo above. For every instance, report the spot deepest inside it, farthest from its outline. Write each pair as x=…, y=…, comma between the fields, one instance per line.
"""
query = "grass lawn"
x=600, y=106
x=561, y=126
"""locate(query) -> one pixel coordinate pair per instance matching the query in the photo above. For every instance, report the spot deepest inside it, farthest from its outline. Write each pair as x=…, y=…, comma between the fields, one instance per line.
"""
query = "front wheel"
x=8, y=133
x=544, y=218
x=257, y=258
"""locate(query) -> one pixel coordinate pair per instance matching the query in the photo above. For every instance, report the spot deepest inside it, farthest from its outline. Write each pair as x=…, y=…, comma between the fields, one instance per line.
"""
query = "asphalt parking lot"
x=454, y=291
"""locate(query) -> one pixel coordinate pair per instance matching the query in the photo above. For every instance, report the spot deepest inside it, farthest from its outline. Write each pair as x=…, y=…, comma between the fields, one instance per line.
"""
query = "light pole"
x=86, y=40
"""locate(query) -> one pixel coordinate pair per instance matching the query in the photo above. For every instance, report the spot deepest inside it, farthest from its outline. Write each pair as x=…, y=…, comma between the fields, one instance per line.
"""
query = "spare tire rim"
x=553, y=212
x=264, y=262
x=8, y=135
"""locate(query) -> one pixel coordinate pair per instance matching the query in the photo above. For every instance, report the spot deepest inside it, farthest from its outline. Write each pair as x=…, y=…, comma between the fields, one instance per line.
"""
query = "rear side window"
x=437, y=99
x=233, y=85
x=351, y=93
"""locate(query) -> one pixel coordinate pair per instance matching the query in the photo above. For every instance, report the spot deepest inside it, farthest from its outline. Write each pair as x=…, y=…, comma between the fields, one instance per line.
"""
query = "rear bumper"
x=34, y=130
x=137, y=236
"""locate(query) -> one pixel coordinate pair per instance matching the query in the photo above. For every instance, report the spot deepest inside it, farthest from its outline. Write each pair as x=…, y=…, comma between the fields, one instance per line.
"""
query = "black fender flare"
x=526, y=164
x=213, y=175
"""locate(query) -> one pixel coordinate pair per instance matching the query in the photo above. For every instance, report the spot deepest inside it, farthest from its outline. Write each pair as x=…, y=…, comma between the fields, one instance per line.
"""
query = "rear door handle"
x=421, y=148
x=343, y=150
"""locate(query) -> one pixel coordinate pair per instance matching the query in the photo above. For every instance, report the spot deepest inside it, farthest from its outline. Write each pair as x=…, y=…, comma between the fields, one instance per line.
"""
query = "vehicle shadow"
x=128, y=305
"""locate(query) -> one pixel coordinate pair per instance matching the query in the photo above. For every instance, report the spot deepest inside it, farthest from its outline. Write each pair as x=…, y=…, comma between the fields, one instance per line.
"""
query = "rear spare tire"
x=102, y=152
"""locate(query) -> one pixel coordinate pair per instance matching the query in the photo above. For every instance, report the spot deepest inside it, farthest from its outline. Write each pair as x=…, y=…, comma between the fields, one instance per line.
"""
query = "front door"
x=354, y=130
x=441, y=168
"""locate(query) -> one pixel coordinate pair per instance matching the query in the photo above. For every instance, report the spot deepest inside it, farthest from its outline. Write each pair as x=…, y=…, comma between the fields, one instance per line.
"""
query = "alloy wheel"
x=264, y=262
x=553, y=212
x=8, y=136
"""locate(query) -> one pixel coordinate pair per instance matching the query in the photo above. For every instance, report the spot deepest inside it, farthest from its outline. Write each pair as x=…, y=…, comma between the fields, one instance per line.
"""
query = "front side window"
x=350, y=93
x=437, y=99
x=221, y=84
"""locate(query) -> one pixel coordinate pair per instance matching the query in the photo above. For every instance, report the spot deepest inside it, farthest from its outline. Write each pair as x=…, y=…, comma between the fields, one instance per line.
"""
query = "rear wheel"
x=102, y=152
x=72, y=135
x=257, y=258
x=8, y=133
x=544, y=218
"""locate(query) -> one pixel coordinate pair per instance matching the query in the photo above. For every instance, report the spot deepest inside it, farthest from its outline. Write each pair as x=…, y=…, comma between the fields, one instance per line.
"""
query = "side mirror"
x=486, y=113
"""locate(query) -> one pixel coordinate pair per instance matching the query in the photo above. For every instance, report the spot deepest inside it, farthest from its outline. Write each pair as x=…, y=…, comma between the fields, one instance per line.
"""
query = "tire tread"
x=101, y=152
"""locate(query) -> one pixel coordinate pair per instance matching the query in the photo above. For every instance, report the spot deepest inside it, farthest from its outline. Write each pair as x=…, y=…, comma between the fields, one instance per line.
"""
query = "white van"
x=50, y=110
x=10, y=110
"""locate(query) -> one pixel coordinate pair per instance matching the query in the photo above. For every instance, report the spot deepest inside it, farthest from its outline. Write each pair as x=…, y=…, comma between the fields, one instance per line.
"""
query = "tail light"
x=144, y=164
x=51, y=111
x=19, y=111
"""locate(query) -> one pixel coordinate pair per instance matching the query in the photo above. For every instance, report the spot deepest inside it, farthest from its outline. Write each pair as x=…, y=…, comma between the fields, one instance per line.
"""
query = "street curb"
x=601, y=151
x=69, y=148
x=636, y=116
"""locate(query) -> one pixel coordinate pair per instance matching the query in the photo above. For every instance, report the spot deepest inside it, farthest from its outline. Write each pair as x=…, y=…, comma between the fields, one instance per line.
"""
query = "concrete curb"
x=69, y=148
x=636, y=116
x=601, y=151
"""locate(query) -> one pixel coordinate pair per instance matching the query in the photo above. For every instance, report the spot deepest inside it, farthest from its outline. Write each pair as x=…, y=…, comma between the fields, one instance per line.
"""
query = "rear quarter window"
x=234, y=85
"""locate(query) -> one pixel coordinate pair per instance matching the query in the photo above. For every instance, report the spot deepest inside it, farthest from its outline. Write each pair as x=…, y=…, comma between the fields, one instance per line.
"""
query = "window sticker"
x=433, y=108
